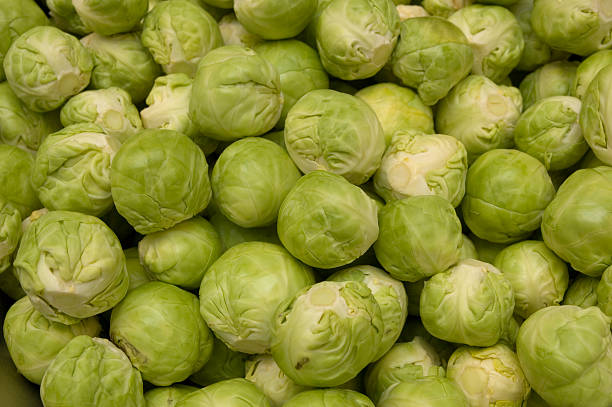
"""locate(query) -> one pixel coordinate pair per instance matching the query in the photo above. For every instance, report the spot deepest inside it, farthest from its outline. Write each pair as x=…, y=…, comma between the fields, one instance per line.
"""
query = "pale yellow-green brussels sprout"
x=405, y=361
x=91, y=372
x=327, y=222
x=604, y=292
x=136, y=272
x=45, y=66
x=182, y=254
x=178, y=34
x=111, y=109
x=64, y=16
x=160, y=328
x=552, y=79
x=241, y=291
x=495, y=36
x=108, y=17
x=390, y=295
x=10, y=233
x=419, y=237
x=566, y=355
x=232, y=234
x=327, y=333
x=596, y=115
x=410, y=11
x=576, y=224
x=477, y=319
x=329, y=398
x=33, y=341
x=16, y=167
x=397, y=109
x=577, y=26
x=121, y=61
x=489, y=377
x=432, y=56
x=539, y=278
x=227, y=393
x=468, y=249
x=444, y=8
x=72, y=169
x=167, y=396
x=506, y=194
x=480, y=114
x=430, y=391
x=223, y=364
x=158, y=179
x=422, y=164
x=336, y=132
x=588, y=69
x=236, y=93
x=582, y=292
x=355, y=39
x=275, y=19
x=234, y=33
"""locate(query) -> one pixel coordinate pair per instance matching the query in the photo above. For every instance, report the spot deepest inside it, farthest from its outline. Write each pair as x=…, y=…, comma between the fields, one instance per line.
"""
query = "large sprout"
x=108, y=17
x=444, y=8
x=596, y=117
x=328, y=398
x=275, y=19
x=588, y=69
x=552, y=79
x=167, y=396
x=431, y=391
x=227, y=393
x=16, y=166
x=64, y=16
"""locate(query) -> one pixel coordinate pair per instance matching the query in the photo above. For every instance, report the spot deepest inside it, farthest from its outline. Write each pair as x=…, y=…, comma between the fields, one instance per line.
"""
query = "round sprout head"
x=64, y=16
x=227, y=393
x=275, y=19
x=328, y=398
x=167, y=396
x=588, y=69
x=595, y=116
x=553, y=79
x=234, y=33
x=582, y=292
x=604, y=292
x=16, y=167
x=431, y=391
x=444, y=8
x=108, y=17
x=10, y=233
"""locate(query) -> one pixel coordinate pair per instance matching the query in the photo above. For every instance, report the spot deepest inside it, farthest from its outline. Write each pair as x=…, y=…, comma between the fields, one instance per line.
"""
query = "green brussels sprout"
x=16, y=166
x=299, y=67
x=111, y=109
x=552, y=79
x=422, y=164
x=432, y=56
x=468, y=249
x=588, y=69
x=72, y=169
x=495, y=36
x=604, y=292
x=240, y=292
x=167, y=396
x=489, y=377
x=160, y=328
x=33, y=341
x=511, y=332
x=332, y=131
x=108, y=17
x=566, y=355
x=64, y=16
x=223, y=364
x=480, y=114
x=122, y=61
x=71, y=266
x=327, y=222
x=595, y=117
x=159, y=178
x=576, y=224
x=275, y=19
x=136, y=272
x=577, y=26
x=549, y=131
x=506, y=194
x=45, y=66
x=327, y=333
x=479, y=319
x=232, y=234
x=227, y=393
x=355, y=38
x=10, y=233
x=91, y=372
x=236, y=93
x=250, y=180
x=444, y=8
x=329, y=398
x=405, y=11
x=582, y=292
x=390, y=295
x=419, y=236
x=431, y=391
x=397, y=109
x=539, y=278
x=267, y=376
x=234, y=33
x=178, y=34
x=405, y=361
x=10, y=286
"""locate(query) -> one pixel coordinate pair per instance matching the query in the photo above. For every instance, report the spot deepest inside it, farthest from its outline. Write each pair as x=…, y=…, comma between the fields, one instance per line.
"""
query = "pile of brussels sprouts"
x=302, y=203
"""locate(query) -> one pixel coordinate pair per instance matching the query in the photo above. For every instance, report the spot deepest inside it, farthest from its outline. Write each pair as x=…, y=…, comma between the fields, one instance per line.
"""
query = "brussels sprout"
x=108, y=17
x=64, y=16
x=539, y=278
x=136, y=272
x=327, y=222
x=327, y=333
x=275, y=19
x=576, y=224
x=405, y=12
x=444, y=8
x=236, y=93
x=506, y=194
x=16, y=167
x=234, y=33
x=10, y=233
x=489, y=377
x=419, y=237
x=122, y=61
x=45, y=66
x=582, y=292
x=227, y=393
x=422, y=164
x=589, y=161
x=182, y=342
x=167, y=396
x=329, y=398
x=604, y=292
x=33, y=341
x=566, y=355
x=588, y=69
x=480, y=114
x=355, y=38
x=10, y=286
x=495, y=36
x=553, y=79
x=431, y=391
x=111, y=109
x=511, y=332
x=577, y=26
x=232, y=234
x=549, y=131
x=158, y=179
x=240, y=292
x=479, y=319
x=595, y=117
x=72, y=169
x=178, y=34
x=332, y=131
x=432, y=56
x=251, y=179
x=414, y=328
x=406, y=361
x=223, y=364
x=468, y=249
